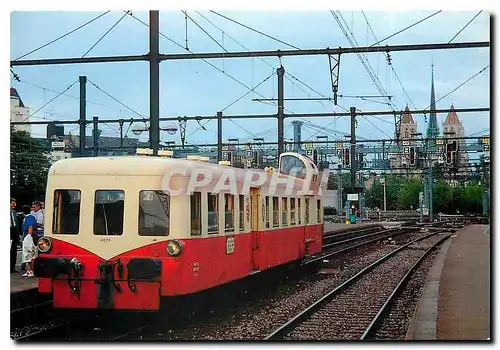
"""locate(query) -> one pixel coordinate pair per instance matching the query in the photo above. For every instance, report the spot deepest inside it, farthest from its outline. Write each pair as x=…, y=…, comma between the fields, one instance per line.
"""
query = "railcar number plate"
x=230, y=245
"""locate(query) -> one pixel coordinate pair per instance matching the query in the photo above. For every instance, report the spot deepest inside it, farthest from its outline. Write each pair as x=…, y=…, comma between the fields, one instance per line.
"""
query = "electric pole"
x=83, y=111
x=121, y=135
x=281, y=107
x=95, y=136
x=219, y=136
x=353, y=149
x=154, y=82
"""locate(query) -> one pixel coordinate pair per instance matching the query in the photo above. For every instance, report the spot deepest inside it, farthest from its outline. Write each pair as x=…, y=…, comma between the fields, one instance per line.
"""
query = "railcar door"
x=254, y=231
x=310, y=231
x=313, y=227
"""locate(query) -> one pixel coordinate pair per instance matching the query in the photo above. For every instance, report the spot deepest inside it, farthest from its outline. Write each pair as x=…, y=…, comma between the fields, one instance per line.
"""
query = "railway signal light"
x=412, y=155
x=347, y=158
x=451, y=152
x=315, y=156
x=449, y=148
x=256, y=158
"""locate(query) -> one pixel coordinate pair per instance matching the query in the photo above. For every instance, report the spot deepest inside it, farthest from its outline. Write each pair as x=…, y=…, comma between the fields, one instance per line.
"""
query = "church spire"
x=432, y=128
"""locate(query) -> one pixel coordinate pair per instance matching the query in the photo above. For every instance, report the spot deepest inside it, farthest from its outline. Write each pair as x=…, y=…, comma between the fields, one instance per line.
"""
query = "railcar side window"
x=307, y=211
x=213, y=213
x=276, y=212
x=154, y=213
x=196, y=214
x=318, y=208
x=229, y=212
x=284, y=211
x=299, y=210
x=108, y=212
x=266, y=211
x=242, y=212
x=66, y=215
x=292, y=211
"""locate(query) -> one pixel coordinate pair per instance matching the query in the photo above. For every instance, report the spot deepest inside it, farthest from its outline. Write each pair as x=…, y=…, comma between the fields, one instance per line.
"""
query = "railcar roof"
x=130, y=165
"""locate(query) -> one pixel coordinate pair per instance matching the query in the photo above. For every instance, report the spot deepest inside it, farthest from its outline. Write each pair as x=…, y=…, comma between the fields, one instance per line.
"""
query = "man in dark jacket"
x=14, y=235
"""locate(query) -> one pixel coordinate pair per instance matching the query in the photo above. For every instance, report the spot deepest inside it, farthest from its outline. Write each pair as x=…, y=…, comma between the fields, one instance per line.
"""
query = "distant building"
x=68, y=146
x=407, y=127
x=59, y=150
x=54, y=130
x=18, y=111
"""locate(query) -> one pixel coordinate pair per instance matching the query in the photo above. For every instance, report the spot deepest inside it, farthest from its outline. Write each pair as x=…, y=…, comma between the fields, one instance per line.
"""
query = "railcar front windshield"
x=66, y=214
x=108, y=212
x=154, y=213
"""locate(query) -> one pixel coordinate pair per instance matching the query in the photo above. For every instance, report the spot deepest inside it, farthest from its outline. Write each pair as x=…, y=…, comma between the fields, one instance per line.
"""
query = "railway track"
x=355, y=308
x=334, y=236
x=256, y=319
x=360, y=239
x=78, y=330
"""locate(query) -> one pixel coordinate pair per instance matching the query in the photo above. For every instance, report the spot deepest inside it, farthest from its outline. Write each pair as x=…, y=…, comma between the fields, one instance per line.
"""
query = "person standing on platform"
x=29, y=248
x=14, y=235
x=25, y=211
x=37, y=212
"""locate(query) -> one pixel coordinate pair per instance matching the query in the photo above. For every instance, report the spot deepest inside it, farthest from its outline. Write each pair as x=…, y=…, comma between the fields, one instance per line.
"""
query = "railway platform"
x=455, y=300
x=19, y=286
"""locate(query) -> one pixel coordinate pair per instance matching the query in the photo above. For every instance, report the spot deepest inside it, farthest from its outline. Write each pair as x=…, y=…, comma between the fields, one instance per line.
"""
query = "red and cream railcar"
x=122, y=232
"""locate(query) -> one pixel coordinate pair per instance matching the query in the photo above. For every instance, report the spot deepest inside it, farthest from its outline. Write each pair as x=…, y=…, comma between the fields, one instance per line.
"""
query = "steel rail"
x=41, y=333
x=370, y=234
x=337, y=252
x=290, y=324
x=333, y=234
x=399, y=288
x=126, y=334
x=31, y=307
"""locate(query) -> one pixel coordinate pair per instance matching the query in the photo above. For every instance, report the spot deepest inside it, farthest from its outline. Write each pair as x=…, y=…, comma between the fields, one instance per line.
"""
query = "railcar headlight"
x=174, y=248
x=44, y=244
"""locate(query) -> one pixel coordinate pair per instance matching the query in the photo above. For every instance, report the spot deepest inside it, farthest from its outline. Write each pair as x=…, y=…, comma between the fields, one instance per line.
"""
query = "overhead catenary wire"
x=62, y=36
x=382, y=131
x=204, y=60
x=215, y=67
x=234, y=102
x=364, y=61
x=260, y=58
x=50, y=101
x=392, y=64
x=479, y=132
x=204, y=31
x=102, y=37
x=404, y=90
x=406, y=28
x=67, y=95
x=248, y=92
x=255, y=30
x=114, y=98
x=460, y=31
x=462, y=84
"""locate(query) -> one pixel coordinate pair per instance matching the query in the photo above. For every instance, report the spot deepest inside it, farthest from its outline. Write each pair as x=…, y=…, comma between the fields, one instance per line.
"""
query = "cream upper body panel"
x=170, y=169
x=134, y=174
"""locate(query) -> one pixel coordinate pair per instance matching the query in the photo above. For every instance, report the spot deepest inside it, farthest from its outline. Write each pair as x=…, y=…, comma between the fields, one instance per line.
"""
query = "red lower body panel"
x=203, y=263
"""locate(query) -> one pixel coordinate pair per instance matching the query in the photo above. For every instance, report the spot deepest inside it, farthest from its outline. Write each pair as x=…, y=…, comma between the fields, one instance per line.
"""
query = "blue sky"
x=192, y=87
